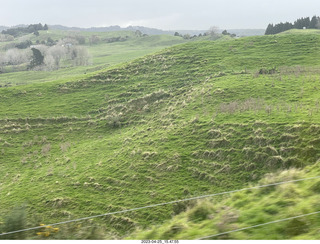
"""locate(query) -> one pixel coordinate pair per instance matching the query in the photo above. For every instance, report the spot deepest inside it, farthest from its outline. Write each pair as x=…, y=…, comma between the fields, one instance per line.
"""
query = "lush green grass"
x=193, y=119
x=119, y=52
x=249, y=208
x=299, y=31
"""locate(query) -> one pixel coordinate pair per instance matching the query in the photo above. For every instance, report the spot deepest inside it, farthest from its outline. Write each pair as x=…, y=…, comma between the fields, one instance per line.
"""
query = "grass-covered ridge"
x=250, y=208
x=192, y=119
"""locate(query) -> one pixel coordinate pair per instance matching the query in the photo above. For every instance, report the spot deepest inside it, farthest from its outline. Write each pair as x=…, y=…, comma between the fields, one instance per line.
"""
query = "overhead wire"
x=159, y=204
x=258, y=225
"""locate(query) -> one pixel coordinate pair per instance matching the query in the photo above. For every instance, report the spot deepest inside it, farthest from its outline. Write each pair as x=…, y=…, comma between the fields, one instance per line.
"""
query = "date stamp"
x=160, y=241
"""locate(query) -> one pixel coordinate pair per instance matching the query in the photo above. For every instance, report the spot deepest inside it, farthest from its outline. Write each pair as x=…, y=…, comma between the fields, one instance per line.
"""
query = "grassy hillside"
x=250, y=208
x=196, y=118
x=299, y=31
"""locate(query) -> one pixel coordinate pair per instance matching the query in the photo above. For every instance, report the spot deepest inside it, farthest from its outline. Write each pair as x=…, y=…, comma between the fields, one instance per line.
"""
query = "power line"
x=255, y=226
x=160, y=204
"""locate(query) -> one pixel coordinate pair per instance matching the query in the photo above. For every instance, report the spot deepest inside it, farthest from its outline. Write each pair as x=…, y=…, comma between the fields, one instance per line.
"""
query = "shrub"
x=172, y=231
x=200, y=212
x=293, y=162
x=182, y=206
x=45, y=149
x=264, y=71
x=65, y=146
x=296, y=227
x=214, y=133
x=114, y=120
x=219, y=142
x=315, y=187
x=16, y=220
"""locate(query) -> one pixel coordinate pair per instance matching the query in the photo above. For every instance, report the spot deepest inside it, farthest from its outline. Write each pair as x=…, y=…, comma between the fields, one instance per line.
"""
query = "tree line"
x=301, y=23
x=213, y=32
x=15, y=32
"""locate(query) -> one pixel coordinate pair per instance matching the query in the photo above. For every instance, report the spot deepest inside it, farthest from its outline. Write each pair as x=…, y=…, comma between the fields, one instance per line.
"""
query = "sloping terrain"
x=196, y=118
x=289, y=211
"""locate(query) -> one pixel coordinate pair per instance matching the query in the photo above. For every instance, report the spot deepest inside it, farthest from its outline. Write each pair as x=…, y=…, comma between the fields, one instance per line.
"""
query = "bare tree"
x=57, y=53
x=213, y=31
x=80, y=56
x=15, y=56
x=12, y=56
x=6, y=38
x=68, y=41
x=94, y=39
x=49, y=62
x=2, y=61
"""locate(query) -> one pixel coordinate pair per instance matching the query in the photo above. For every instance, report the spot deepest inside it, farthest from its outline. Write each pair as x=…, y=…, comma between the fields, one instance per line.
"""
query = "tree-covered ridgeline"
x=25, y=30
x=302, y=23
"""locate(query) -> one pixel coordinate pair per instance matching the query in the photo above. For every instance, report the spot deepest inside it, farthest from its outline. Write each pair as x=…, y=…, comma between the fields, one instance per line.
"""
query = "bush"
x=24, y=44
x=264, y=71
x=200, y=212
x=296, y=227
x=172, y=231
x=16, y=220
x=182, y=206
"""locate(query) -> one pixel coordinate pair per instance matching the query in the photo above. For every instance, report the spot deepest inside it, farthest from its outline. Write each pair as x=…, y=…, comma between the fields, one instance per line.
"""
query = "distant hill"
x=247, y=32
x=146, y=30
x=154, y=31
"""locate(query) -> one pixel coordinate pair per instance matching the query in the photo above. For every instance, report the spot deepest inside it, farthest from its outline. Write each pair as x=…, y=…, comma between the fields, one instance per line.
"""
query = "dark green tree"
x=24, y=44
x=50, y=41
x=37, y=58
x=81, y=39
x=269, y=30
x=24, y=30
x=298, y=24
x=313, y=22
x=225, y=32
x=306, y=22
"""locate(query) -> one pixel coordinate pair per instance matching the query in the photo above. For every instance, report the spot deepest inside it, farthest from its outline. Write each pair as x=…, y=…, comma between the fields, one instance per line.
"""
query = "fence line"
x=159, y=204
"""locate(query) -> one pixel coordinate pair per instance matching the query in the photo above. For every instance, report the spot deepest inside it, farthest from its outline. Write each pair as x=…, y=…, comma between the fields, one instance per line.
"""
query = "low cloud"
x=162, y=22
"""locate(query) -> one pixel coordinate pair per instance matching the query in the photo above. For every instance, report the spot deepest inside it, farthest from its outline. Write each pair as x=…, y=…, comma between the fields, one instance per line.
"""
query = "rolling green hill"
x=192, y=119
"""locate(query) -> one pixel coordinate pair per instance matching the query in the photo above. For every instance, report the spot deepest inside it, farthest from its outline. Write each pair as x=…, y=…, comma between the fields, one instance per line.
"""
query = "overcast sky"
x=162, y=14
